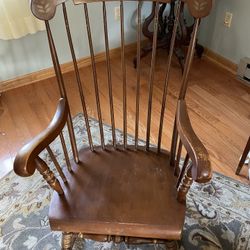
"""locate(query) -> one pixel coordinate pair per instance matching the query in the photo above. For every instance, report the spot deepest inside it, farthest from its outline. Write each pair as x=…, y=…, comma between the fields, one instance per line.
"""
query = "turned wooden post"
x=171, y=245
x=48, y=175
x=184, y=186
x=68, y=240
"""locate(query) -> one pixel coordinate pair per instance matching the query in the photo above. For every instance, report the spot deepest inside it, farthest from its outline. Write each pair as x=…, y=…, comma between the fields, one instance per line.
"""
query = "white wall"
x=31, y=53
x=233, y=43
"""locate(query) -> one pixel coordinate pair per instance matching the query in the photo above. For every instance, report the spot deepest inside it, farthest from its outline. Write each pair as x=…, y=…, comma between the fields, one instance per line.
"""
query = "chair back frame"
x=46, y=9
x=196, y=164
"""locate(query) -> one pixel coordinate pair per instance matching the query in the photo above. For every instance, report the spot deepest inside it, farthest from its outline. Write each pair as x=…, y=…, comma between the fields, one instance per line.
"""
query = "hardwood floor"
x=219, y=108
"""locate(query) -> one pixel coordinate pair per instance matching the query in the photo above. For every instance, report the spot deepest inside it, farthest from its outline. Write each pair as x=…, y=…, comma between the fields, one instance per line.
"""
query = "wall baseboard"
x=221, y=61
x=66, y=67
x=84, y=62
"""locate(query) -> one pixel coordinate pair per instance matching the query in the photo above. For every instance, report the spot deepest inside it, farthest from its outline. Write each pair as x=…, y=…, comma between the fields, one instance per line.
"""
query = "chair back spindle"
x=78, y=78
x=151, y=74
x=61, y=88
x=93, y=63
x=178, y=157
x=138, y=76
x=183, y=170
x=65, y=151
x=111, y=102
x=165, y=88
x=124, y=77
x=57, y=165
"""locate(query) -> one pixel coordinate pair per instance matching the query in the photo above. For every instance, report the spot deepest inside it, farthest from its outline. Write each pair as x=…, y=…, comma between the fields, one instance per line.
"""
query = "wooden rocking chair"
x=117, y=192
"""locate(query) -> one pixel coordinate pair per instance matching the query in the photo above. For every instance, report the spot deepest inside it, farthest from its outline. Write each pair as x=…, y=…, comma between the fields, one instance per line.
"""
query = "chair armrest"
x=201, y=166
x=25, y=161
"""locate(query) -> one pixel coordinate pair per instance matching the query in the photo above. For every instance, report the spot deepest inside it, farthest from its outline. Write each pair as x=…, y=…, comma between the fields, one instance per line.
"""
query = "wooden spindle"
x=57, y=165
x=178, y=157
x=65, y=151
x=111, y=103
x=185, y=185
x=151, y=77
x=94, y=74
x=183, y=170
x=62, y=89
x=173, y=144
x=170, y=56
x=184, y=84
x=139, y=30
x=48, y=175
x=78, y=78
x=124, y=78
x=171, y=245
x=68, y=240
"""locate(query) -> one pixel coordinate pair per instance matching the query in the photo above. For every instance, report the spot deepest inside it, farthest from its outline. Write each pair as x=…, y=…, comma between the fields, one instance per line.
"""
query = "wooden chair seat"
x=117, y=192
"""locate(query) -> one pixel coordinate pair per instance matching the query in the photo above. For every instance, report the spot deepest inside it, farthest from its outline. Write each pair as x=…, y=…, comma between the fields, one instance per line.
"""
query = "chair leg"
x=171, y=245
x=68, y=240
x=243, y=157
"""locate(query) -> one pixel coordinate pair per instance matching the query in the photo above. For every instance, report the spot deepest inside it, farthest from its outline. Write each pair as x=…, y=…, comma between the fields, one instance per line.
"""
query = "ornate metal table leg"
x=165, y=33
x=144, y=52
x=178, y=52
x=199, y=50
x=149, y=34
x=171, y=17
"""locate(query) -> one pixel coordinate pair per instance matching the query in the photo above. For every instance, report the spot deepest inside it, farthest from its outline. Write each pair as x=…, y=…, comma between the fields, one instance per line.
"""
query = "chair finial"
x=199, y=8
x=44, y=9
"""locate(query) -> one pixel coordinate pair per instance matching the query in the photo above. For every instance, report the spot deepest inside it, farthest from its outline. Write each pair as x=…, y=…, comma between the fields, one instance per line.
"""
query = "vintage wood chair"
x=119, y=192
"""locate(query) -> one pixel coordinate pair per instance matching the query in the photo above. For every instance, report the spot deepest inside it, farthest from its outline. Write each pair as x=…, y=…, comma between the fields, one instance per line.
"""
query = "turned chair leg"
x=171, y=245
x=68, y=240
x=243, y=157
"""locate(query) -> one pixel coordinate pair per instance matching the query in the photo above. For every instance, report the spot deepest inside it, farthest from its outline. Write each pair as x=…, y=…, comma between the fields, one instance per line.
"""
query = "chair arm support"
x=201, y=166
x=25, y=161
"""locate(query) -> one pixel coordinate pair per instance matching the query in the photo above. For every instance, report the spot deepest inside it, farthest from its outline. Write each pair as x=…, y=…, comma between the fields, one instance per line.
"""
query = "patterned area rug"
x=217, y=217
